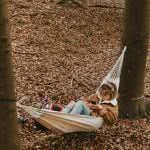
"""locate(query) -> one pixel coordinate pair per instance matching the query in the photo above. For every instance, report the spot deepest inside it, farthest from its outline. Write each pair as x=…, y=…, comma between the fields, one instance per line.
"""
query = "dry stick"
x=105, y=6
x=71, y=84
x=19, y=14
x=82, y=6
x=73, y=1
x=25, y=53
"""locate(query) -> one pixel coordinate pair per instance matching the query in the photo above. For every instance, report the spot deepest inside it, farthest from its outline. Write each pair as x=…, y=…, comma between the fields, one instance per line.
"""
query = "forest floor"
x=66, y=50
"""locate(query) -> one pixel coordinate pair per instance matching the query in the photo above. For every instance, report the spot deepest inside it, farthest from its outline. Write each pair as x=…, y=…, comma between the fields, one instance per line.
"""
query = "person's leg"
x=69, y=107
x=80, y=108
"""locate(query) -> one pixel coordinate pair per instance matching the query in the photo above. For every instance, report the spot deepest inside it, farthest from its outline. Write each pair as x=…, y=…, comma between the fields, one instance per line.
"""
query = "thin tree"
x=8, y=119
x=135, y=36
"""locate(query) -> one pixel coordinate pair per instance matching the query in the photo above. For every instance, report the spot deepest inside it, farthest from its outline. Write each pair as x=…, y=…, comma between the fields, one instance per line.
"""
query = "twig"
x=25, y=53
x=105, y=6
x=19, y=14
x=71, y=82
x=73, y=1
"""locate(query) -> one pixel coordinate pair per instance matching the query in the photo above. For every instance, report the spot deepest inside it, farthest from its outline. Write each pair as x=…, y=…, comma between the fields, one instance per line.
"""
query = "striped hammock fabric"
x=62, y=122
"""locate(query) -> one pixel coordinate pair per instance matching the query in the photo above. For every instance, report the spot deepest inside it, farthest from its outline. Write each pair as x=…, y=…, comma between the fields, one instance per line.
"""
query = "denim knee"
x=80, y=102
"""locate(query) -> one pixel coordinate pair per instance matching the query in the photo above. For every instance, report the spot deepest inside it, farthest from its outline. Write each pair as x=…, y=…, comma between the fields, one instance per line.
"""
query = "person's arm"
x=91, y=98
x=97, y=107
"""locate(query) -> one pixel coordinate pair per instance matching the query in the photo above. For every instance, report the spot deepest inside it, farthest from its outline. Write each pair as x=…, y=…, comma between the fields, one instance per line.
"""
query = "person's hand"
x=89, y=104
x=96, y=107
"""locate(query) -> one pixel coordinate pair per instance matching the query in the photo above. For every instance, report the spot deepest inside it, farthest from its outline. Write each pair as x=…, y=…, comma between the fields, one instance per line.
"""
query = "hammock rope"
x=114, y=74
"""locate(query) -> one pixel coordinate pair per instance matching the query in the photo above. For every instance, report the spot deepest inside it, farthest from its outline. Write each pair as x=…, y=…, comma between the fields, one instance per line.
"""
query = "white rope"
x=115, y=72
x=137, y=98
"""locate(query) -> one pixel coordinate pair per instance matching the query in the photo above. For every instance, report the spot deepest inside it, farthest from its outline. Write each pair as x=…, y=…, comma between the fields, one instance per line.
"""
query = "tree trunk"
x=8, y=115
x=135, y=36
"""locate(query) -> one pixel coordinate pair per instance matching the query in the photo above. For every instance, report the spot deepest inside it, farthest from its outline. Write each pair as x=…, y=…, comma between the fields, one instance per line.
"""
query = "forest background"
x=66, y=50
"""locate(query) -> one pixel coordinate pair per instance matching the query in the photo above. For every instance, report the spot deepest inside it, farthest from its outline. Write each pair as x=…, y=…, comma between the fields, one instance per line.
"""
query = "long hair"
x=112, y=87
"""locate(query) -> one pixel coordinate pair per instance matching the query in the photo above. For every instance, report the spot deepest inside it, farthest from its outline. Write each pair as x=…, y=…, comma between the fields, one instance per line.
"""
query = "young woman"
x=103, y=104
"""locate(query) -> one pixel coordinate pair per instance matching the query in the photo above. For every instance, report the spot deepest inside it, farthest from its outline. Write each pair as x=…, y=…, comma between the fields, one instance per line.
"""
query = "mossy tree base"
x=135, y=37
x=132, y=109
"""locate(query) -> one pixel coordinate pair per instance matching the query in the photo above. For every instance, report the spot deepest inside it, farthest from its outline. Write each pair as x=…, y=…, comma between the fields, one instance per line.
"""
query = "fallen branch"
x=25, y=53
x=73, y=1
x=106, y=6
x=19, y=14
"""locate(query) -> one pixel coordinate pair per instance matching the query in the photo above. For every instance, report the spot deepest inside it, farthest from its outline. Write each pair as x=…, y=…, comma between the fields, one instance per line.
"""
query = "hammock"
x=62, y=122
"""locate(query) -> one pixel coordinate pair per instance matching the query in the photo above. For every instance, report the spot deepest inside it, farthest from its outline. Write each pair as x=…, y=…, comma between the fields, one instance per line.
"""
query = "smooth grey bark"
x=8, y=116
x=135, y=36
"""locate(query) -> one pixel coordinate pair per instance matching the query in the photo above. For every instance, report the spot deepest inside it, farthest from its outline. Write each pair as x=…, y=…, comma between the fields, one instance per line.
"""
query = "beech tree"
x=8, y=115
x=135, y=37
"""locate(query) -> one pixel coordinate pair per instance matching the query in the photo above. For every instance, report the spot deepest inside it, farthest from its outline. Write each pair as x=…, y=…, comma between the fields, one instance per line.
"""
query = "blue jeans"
x=79, y=108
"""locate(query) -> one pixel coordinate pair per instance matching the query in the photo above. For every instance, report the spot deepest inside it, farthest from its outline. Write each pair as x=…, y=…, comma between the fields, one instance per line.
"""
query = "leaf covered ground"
x=66, y=50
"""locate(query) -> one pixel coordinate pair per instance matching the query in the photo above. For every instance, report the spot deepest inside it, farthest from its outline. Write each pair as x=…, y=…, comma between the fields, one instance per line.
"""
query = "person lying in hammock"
x=103, y=104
